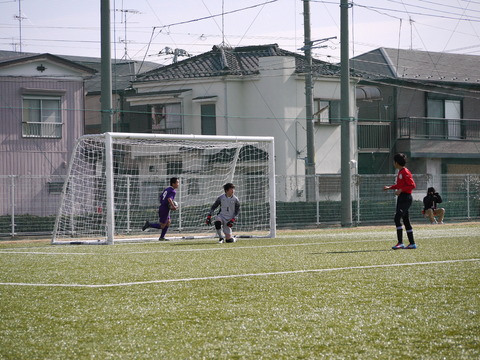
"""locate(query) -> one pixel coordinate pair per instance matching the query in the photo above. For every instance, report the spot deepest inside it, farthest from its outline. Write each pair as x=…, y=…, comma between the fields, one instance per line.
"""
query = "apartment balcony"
x=422, y=137
x=374, y=136
x=435, y=137
x=435, y=128
x=171, y=130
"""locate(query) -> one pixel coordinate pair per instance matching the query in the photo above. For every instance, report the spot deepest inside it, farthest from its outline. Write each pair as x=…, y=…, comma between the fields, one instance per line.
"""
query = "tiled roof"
x=239, y=61
x=417, y=65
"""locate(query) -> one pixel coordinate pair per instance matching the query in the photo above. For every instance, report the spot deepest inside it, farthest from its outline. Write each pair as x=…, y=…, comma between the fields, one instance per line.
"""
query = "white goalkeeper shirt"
x=229, y=207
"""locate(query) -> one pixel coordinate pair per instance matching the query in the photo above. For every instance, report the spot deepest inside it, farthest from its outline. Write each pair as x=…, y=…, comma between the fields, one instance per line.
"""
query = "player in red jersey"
x=403, y=189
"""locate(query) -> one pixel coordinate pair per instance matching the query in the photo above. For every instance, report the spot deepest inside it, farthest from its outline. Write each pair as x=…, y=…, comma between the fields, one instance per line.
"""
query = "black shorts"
x=404, y=201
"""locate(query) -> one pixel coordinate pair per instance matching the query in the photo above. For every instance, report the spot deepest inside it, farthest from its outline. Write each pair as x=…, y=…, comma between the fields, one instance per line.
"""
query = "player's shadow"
x=353, y=251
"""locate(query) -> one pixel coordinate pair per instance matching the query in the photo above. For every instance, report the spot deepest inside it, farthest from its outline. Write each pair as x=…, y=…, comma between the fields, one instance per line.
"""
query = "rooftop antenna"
x=124, y=21
x=223, y=22
x=411, y=32
x=19, y=17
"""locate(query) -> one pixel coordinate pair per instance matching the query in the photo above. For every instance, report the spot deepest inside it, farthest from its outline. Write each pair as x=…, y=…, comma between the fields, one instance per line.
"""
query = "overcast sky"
x=142, y=29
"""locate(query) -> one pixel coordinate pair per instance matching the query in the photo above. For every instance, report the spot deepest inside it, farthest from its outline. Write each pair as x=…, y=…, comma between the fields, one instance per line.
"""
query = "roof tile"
x=239, y=61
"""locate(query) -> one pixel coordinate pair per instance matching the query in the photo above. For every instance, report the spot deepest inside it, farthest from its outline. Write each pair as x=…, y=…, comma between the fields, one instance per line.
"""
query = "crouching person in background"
x=430, y=209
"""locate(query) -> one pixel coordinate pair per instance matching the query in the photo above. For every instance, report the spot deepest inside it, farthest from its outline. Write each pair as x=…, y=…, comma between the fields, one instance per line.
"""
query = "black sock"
x=410, y=236
x=400, y=235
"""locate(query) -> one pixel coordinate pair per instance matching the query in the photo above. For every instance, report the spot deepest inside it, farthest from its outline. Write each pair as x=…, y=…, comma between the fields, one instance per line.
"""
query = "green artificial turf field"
x=313, y=294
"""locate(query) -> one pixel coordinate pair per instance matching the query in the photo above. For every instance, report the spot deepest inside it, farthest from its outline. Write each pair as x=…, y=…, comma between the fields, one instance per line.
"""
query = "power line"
x=461, y=18
x=216, y=15
x=405, y=5
x=448, y=6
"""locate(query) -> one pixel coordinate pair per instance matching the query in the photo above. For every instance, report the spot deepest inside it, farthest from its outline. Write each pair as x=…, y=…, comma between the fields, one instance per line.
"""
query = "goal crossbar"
x=114, y=179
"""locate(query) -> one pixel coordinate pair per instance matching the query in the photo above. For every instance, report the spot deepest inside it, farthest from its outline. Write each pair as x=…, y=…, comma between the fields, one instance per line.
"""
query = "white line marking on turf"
x=240, y=275
x=234, y=247
x=375, y=236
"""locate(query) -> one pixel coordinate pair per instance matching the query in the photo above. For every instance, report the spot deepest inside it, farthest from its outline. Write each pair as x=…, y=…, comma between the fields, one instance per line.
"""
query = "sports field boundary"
x=219, y=277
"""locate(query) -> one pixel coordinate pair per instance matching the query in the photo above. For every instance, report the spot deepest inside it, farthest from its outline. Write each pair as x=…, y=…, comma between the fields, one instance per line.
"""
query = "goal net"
x=114, y=181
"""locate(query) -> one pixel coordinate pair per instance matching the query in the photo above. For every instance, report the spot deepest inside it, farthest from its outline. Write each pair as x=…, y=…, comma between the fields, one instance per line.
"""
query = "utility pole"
x=346, y=198
x=310, y=159
x=106, y=68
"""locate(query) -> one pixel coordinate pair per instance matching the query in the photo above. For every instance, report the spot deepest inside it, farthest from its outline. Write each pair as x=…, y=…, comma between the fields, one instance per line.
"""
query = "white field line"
x=220, y=247
x=240, y=275
x=389, y=237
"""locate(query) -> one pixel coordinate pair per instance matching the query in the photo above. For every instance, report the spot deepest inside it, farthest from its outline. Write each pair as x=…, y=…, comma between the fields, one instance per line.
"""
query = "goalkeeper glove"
x=209, y=220
x=230, y=223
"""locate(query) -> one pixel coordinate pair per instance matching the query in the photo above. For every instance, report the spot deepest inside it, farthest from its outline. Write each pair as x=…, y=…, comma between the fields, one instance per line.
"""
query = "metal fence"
x=29, y=203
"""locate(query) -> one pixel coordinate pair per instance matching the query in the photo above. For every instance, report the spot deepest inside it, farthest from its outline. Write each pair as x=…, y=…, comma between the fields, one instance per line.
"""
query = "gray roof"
x=123, y=71
x=239, y=61
x=16, y=58
x=387, y=63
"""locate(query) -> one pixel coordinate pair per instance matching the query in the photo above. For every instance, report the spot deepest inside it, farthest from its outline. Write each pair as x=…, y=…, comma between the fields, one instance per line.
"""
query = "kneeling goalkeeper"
x=229, y=209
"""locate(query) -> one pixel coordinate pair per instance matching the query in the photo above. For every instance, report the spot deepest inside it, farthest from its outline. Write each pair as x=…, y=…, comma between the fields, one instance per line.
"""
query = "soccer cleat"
x=221, y=241
x=163, y=239
x=398, y=246
x=146, y=225
x=411, y=246
x=232, y=240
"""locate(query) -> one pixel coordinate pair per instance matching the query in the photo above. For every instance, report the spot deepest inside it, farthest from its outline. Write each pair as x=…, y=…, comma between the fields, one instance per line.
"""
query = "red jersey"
x=404, y=181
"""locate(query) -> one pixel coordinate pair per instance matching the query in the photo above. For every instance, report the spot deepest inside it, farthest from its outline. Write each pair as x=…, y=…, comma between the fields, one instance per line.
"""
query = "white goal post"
x=114, y=181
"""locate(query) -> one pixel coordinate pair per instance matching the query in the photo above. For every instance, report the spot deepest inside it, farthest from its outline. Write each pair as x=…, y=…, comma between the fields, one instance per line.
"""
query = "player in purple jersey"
x=166, y=204
x=229, y=209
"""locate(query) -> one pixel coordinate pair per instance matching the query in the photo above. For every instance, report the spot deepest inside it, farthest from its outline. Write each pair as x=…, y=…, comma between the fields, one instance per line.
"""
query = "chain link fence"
x=29, y=203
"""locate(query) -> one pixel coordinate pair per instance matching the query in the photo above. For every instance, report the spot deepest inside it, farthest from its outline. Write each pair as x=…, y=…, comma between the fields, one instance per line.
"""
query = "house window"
x=209, y=121
x=444, y=118
x=167, y=118
x=41, y=117
x=326, y=111
x=174, y=167
x=193, y=186
x=55, y=187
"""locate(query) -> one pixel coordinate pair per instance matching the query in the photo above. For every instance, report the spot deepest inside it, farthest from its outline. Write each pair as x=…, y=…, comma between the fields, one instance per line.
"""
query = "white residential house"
x=248, y=91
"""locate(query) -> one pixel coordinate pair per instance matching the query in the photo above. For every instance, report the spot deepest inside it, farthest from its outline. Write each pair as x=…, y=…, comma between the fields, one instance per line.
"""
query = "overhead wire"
x=405, y=4
x=470, y=18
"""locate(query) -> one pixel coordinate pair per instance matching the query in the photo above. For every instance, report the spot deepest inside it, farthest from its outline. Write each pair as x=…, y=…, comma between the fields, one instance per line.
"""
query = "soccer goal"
x=114, y=181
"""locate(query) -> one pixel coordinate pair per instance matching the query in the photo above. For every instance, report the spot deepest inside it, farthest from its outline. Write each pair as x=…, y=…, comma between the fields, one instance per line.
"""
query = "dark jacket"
x=431, y=200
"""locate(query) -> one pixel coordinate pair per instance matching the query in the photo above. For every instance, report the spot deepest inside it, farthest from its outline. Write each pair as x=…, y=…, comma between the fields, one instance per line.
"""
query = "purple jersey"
x=168, y=193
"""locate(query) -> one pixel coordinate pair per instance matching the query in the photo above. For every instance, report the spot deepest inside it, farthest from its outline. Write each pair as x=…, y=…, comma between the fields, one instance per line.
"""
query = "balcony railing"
x=42, y=129
x=374, y=136
x=167, y=131
x=437, y=128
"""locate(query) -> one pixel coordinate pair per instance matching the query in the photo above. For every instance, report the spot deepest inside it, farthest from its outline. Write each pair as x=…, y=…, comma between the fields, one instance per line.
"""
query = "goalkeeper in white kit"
x=229, y=209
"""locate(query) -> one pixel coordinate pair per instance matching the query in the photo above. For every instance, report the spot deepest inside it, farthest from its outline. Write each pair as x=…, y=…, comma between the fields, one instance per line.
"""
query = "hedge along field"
x=336, y=293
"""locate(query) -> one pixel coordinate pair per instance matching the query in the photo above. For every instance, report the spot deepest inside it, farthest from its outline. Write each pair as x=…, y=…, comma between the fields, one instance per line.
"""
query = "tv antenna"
x=124, y=22
x=411, y=32
x=19, y=17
